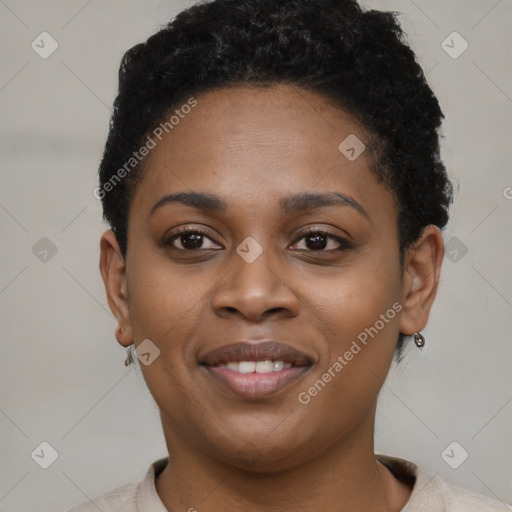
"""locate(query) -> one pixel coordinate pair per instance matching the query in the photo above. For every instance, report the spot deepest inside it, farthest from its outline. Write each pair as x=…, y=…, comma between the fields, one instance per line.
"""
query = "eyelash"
x=344, y=243
x=181, y=232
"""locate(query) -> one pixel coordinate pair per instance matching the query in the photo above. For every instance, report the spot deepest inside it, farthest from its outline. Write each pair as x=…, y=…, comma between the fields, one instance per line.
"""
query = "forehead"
x=279, y=118
x=259, y=143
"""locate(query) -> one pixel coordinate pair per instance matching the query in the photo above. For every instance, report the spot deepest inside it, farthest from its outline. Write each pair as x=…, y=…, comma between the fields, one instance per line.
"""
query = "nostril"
x=275, y=310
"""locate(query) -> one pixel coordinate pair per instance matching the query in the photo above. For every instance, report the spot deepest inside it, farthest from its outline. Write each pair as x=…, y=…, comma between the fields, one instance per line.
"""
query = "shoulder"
x=458, y=499
x=132, y=497
x=123, y=498
x=432, y=492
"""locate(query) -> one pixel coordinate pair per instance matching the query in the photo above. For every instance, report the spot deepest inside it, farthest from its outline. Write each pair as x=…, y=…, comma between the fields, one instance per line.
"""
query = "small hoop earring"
x=129, y=356
x=419, y=339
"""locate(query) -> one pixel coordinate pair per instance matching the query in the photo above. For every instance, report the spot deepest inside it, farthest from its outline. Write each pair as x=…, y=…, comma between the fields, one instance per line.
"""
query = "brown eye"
x=322, y=241
x=191, y=239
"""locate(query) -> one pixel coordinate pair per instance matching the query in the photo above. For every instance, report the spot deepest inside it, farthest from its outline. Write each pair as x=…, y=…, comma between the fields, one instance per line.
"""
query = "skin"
x=252, y=147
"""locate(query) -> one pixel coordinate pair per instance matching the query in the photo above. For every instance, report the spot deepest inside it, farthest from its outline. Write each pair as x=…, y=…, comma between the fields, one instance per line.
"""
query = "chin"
x=264, y=452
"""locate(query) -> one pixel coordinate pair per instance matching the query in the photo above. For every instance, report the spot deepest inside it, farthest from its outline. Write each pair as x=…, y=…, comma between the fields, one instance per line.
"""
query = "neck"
x=344, y=477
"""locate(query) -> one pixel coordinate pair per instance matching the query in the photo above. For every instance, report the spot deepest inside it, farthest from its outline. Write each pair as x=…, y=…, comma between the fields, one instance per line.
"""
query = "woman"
x=275, y=194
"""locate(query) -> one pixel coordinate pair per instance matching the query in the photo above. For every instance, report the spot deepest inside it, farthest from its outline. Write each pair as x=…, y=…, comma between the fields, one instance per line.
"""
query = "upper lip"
x=255, y=351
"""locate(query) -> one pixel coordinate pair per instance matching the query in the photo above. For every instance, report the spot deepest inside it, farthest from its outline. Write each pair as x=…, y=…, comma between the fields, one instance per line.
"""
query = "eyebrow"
x=308, y=201
x=197, y=200
x=291, y=204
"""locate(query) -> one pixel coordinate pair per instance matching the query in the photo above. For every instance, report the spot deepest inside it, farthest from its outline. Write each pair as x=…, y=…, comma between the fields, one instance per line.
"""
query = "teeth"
x=278, y=365
x=246, y=366
x=266, y=366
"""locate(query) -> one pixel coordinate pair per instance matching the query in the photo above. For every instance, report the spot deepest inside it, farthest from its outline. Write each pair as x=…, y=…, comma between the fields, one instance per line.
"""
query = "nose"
x=255, y=291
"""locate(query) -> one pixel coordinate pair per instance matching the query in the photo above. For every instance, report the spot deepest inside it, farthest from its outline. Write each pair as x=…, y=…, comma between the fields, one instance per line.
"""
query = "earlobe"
x=422, y=269
x=113, y=272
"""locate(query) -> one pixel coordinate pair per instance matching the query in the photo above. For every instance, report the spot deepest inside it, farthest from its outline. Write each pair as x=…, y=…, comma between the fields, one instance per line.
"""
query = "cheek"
x=358, y=312
x=164, y=298
x=165, y=307
x=353, y=298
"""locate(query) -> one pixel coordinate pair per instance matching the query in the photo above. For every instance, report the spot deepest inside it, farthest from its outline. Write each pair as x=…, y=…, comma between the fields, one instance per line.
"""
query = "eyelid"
x=345, y=243
x=184, y=230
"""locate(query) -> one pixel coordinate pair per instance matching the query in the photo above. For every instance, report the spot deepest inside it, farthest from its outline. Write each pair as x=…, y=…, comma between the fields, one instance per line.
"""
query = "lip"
x=255, y=351
x=255, y=385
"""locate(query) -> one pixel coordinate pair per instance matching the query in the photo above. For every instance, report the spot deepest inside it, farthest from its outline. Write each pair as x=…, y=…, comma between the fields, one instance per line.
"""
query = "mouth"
x=265, y=366
x=254, y=370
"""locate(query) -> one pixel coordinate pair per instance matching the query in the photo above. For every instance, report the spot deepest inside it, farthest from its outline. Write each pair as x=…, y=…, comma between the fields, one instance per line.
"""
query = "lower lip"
x=256, y=385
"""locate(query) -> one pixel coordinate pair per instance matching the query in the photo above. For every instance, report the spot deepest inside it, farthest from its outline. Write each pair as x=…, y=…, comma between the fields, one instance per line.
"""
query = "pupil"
x=192, y=241
x=317, y=242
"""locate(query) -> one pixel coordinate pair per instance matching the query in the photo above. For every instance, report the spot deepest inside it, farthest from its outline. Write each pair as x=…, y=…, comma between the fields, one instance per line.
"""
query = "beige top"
x=431, y=493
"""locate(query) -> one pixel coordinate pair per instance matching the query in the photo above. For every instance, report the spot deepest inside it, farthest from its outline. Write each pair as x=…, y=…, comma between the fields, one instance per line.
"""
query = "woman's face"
x=268, y=162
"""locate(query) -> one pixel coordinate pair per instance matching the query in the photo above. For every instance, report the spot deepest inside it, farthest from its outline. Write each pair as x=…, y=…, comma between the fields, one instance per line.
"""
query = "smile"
x=255, y=370
x=266, y=366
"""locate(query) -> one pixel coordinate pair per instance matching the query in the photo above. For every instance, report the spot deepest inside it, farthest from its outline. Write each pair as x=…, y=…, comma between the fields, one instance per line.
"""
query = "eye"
x=190, y=239
x=318, y=240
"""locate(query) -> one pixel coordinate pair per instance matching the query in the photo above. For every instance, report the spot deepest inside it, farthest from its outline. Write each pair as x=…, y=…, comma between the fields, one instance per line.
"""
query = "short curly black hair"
x=357, y=59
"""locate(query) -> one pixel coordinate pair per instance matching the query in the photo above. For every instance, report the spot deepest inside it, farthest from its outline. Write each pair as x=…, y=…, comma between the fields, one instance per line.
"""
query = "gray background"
x=62, y=375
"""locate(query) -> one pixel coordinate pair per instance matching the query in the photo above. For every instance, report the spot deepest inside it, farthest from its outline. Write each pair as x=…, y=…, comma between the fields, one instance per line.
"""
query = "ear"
x=422, y=269
x=113, y=272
